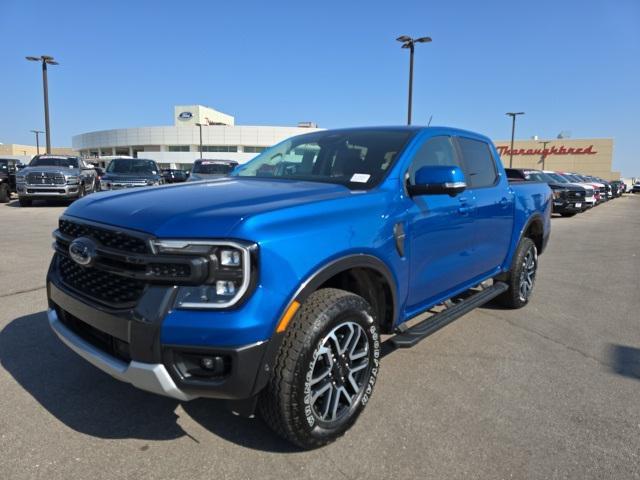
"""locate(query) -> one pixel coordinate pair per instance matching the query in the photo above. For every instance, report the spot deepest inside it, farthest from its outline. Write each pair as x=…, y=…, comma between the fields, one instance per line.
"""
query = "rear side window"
x=479, y=166
x=436, y=151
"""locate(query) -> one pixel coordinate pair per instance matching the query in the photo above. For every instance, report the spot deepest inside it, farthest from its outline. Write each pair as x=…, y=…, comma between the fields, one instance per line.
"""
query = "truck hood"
x=199, y=209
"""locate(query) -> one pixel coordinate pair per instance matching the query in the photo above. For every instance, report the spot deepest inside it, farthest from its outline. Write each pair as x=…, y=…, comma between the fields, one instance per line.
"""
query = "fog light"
x=207, y=363
x=230, y=258
x=225, y=287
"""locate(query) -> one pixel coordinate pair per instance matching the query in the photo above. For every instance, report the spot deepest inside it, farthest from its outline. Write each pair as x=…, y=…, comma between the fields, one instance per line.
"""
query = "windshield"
x=355, y=158
x=212, y=168
x=539, y=177
x=558, y=178
x=128, y=165
x=54, y=162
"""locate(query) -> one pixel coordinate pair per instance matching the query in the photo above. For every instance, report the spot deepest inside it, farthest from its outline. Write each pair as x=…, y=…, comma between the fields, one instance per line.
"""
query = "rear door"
x=440, y=231
x=493, y=205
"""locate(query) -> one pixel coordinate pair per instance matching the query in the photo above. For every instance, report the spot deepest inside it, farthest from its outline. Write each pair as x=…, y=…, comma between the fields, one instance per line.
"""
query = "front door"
x=440, y=232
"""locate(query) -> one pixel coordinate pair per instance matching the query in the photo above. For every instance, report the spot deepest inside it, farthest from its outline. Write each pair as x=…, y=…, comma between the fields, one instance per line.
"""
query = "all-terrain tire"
x=521, y=276
x=286, y=404
x=25, y=202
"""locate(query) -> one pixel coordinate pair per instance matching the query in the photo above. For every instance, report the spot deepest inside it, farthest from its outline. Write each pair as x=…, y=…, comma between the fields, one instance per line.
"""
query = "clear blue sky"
x=569, y=64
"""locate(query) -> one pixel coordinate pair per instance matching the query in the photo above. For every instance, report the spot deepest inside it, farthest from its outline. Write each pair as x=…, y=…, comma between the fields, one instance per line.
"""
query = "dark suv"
x=131, y=173
x=7, y=178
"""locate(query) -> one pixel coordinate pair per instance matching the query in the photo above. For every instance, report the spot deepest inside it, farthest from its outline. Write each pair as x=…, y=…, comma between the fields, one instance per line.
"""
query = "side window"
x=479, y=165
x=437, y=151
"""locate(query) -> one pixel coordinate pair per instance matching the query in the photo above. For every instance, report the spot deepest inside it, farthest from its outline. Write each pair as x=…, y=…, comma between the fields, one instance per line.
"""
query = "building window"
x=178, y=148
x=248, y=149
x=219, y=148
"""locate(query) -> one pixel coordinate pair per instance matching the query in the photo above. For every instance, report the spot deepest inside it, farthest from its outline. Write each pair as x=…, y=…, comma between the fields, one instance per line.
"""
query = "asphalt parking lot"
x=551, y=391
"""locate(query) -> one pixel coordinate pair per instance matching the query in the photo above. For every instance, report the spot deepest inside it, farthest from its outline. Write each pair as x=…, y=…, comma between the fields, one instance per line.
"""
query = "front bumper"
x=126, y=344
x=147, y=376
x=566, y=206
x=47, y=191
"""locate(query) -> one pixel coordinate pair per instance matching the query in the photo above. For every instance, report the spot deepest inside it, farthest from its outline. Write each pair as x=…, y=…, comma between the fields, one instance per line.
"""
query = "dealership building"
x=178, y=145
x=592, y=156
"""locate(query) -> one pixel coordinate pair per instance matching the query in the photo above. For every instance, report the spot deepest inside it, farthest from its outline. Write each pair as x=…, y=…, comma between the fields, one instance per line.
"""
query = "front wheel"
x=25, y=202
x=325, y=370
x=521, y=276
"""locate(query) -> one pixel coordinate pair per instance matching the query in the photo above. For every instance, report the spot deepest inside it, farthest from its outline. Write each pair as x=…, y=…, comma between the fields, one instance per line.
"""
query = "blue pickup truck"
x=271, y=288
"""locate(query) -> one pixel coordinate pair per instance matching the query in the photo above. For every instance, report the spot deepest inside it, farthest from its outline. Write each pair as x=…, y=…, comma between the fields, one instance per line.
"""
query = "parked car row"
x=572, y=192
x=58, y=177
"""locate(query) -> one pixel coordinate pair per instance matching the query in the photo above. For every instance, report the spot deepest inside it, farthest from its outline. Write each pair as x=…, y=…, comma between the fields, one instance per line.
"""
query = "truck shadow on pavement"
x=624, y=360
x=91, y=402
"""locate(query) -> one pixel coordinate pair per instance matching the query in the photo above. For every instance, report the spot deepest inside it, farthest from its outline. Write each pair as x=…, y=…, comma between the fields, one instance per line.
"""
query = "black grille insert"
x=99, y=339
x=97, y=284
x=109, y=238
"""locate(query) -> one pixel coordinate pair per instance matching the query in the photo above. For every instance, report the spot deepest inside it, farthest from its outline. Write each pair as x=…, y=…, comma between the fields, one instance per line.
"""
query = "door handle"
x=504, y=203
x=464, y=210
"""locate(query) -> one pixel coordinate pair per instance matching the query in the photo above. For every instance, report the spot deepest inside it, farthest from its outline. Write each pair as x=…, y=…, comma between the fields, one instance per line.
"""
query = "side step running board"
x=422, y=330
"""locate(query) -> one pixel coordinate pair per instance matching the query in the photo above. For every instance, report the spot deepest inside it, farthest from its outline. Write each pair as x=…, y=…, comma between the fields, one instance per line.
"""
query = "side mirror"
x=438, y=179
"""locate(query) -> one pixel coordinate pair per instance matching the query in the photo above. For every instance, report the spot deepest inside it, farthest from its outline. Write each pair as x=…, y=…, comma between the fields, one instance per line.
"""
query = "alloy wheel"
x=339, y=371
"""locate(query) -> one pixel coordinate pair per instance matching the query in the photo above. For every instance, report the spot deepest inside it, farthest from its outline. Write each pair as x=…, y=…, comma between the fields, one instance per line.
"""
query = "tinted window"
x=356, y=158
x=4, y=165
x=126, y=165
x=67, y=162
x=479, y=167
x=212, y=168
x=436, y=151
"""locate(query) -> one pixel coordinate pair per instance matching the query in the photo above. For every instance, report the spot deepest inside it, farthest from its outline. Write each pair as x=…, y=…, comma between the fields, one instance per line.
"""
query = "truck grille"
x=45, y=178
x=100, y=285
x=576, y=195
x=108, y=238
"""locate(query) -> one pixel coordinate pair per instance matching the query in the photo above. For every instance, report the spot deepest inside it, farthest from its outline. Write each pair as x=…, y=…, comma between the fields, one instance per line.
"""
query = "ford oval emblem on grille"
x=83, y=251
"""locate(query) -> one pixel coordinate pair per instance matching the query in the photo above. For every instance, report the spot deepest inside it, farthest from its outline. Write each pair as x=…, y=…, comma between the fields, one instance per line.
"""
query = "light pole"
x=544, y=146
x=200, y=125
x=408, y=42
x=37, y=132
x=46, y=60
x=513, y=116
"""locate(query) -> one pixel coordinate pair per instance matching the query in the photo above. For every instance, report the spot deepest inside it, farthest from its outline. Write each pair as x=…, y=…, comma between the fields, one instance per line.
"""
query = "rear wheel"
x=25, y=202
x=522, y=275
x=325, y=370
x=4, y=193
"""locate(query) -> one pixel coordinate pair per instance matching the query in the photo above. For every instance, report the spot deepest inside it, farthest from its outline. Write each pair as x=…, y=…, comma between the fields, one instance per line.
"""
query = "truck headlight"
x=20, y=178
x=72, y=179
x=232, y=272
x=557, y=194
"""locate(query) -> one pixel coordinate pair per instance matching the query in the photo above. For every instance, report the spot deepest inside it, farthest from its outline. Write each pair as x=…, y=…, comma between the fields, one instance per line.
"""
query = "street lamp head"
x=406, y=45
x=513, y=114
x=51, y=62
x=33, y=59
x=404, y=38
x=423, y=39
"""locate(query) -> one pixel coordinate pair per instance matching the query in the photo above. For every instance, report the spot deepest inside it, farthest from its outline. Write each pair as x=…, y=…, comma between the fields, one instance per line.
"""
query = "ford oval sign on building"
x=185, y=115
